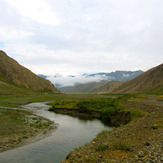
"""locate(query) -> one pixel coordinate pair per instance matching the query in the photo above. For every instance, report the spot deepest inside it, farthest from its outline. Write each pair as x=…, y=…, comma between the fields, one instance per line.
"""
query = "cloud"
x=10, y=34
x=69, y=37
x=63, y=81
x=37, y=10
x=126, y=75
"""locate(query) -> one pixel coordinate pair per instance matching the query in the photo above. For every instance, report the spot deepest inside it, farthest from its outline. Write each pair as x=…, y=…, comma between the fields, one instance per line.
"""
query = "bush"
x=51, y=109
x=83, y=105
x=154, y=127
x=106, y=113
x=136, y=113
x=101, y=147
x=124, y=145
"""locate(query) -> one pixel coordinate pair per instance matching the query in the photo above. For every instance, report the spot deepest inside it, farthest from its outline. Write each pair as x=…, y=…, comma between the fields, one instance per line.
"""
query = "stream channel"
x=71, y=133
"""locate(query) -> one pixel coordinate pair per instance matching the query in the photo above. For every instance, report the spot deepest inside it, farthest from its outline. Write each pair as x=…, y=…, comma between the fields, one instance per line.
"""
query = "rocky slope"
x=13, y=74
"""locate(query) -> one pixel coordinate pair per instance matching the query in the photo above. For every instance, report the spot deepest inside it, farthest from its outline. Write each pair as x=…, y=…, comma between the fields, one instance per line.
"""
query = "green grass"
x=101, y=147
x=107, y=105
x=88, y=102
x=136, y=113
x=17, y=100
x=124, y=145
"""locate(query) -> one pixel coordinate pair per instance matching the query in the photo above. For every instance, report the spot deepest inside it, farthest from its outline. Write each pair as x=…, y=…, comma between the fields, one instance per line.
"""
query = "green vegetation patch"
x=101, y=147
x=136, y=113
x=122, y=145
x=108, y=107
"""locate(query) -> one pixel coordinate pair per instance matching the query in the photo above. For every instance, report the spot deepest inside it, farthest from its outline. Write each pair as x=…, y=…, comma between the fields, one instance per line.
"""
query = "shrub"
x=51, y=109
x=83, y=105
x=106, y=113
x=136, y=113
x=122, y=145
x=154, y=127
x=101, y=147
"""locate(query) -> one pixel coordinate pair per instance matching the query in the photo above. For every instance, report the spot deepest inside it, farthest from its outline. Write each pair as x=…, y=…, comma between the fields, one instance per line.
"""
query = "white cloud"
x=69, y=37
x=126, y=75
x=9, y=34
x=72, y=80
x=37, y=10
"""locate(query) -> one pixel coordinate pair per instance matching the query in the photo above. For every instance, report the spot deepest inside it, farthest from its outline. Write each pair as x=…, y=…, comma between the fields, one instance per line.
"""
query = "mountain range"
x=14, y=77
x=118, y=75
x=87, y=82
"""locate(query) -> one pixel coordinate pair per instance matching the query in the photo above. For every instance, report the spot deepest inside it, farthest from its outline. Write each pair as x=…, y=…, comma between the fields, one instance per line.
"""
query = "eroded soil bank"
x=139, y=141
x=117, y=118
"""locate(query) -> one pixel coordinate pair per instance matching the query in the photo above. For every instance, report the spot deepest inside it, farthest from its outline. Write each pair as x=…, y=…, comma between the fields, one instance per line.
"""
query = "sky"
x=71, y=37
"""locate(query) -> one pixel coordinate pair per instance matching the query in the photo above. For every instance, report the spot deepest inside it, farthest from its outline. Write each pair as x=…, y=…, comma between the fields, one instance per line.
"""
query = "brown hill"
x=150, y=81
x=12, y=74
x=108, y=87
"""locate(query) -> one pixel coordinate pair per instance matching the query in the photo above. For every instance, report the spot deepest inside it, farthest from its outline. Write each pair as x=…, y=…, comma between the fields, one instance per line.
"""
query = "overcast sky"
x=78, y=36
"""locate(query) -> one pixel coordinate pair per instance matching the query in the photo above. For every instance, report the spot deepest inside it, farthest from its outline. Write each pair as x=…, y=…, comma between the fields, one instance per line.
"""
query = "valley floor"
x=139, y=141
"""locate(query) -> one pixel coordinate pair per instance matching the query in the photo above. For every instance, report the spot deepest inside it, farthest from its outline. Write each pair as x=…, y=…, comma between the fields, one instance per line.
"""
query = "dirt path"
x=139, y=141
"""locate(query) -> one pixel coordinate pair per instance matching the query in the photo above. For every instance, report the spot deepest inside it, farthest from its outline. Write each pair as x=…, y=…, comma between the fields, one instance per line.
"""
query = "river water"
x=71, y=132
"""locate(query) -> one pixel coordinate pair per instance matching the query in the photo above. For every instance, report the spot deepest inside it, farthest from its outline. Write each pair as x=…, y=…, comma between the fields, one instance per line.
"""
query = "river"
x=71, y=132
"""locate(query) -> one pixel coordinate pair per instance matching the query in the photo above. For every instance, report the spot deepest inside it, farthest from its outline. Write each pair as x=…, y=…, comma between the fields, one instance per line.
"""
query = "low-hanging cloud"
x=71, y=80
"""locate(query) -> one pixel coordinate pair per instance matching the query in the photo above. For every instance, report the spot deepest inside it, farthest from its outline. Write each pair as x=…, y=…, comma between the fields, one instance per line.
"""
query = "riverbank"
x=139, y=141
x=18, y=127
x=117, y=118
x=107, y=109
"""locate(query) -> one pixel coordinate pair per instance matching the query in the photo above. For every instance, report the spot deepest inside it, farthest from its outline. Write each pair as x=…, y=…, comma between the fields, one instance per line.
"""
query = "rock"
x=141, y=154
x=147, y=143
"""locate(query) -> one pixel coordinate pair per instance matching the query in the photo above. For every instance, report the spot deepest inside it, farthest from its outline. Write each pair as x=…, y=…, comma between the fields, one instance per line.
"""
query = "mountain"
x=117, y=75
x=82, y=88
x=150, y=81
x=98, y=86
x=17, y=77
x=42, y=76
x=108, y=87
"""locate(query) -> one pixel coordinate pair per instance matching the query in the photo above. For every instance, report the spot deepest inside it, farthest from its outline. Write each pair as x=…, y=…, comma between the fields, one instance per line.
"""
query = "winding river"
x=70, y=133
